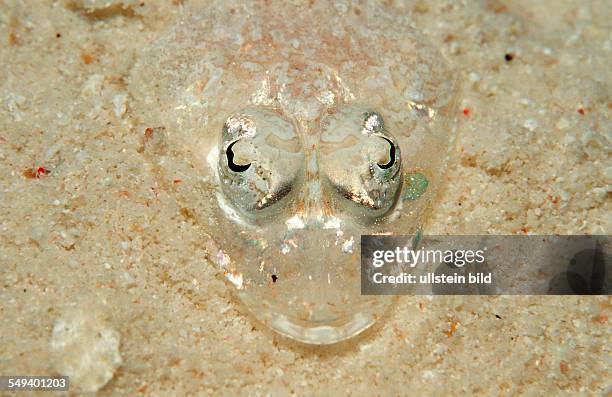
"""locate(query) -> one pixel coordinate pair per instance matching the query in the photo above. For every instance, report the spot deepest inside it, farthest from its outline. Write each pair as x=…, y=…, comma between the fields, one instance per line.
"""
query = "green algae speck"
x=416, y=185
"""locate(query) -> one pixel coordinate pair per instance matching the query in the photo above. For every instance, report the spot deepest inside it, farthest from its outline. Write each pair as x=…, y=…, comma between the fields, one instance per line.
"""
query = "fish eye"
x=260, y=160
x=361, y=161
x=230, y=160
x=391, y=161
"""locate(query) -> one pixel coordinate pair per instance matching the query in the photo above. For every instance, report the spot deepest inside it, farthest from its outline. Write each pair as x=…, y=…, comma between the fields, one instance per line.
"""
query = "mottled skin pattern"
x=306, y=76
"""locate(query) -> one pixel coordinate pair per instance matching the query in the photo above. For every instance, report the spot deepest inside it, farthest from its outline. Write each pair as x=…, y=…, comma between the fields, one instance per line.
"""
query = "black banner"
x=485, y=265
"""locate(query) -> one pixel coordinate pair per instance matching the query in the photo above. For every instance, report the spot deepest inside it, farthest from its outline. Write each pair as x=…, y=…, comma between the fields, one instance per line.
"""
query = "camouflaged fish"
x=309, y=123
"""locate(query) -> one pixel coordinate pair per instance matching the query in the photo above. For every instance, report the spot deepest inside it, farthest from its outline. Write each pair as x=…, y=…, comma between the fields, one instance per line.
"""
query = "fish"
x=307, y=124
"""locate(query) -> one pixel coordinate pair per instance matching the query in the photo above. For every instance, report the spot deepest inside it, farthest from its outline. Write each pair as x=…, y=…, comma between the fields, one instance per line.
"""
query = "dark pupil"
x=391, y=156
x=230, y=160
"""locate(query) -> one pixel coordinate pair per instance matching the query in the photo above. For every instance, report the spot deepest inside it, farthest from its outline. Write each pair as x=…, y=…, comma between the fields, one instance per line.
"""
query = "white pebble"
x=530, y=124
x=473, y=76
x=86, y=349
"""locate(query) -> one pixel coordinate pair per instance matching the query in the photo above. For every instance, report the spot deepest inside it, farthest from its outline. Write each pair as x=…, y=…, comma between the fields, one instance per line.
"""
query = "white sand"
x=100, y=237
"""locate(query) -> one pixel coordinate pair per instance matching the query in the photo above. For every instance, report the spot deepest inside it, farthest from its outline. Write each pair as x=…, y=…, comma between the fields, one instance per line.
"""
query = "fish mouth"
x=323, y=333
x=309, y=288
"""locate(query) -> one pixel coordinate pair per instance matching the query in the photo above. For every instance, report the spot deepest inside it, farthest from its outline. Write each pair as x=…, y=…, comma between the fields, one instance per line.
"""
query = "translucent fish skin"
x=287, y=201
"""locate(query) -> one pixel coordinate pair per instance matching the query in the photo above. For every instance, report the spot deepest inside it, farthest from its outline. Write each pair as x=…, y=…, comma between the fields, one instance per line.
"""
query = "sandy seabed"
x=103, y=268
